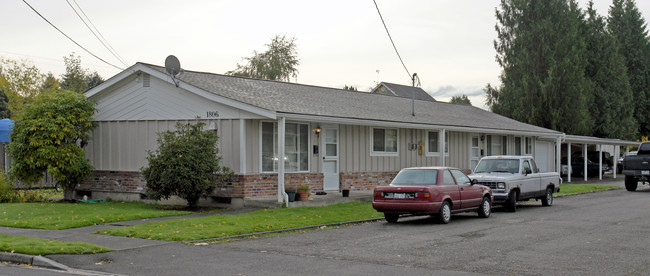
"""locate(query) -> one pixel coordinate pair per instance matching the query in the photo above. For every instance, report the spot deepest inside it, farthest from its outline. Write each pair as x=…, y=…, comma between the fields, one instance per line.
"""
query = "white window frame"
x=383, y=153
x=275, y=141
x=528, y=146
x=437, y=153
x=521, y=145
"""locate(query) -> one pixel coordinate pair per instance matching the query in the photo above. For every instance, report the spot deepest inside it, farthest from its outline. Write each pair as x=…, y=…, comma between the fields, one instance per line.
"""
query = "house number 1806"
x=212, y=114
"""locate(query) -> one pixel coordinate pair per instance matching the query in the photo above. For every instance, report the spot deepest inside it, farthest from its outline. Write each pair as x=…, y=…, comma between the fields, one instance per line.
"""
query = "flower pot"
x=346, y=193
x=303, y=195
x=292, y=195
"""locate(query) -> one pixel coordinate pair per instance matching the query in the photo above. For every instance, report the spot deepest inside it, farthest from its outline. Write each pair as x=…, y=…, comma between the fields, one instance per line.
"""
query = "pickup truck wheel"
x=512, y=201
x=630, y=183
x=391, y=218
x=485, y=209
x=444, y=216
x=547, y=200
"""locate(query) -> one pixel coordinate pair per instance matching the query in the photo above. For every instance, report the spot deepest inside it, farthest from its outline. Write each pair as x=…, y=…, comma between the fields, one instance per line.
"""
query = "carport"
x=585, y=142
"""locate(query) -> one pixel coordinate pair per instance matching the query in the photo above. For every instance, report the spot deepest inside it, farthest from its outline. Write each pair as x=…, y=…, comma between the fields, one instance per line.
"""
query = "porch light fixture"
x=317, y=131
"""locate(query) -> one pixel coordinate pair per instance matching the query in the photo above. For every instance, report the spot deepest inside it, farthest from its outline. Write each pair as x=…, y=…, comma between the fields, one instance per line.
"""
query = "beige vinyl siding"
x=123, y=145
x=355, y=151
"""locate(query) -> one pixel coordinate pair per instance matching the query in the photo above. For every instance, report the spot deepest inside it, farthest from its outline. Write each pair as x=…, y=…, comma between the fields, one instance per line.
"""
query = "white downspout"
x=282, y=195
x=558, y=155
x=442, y=147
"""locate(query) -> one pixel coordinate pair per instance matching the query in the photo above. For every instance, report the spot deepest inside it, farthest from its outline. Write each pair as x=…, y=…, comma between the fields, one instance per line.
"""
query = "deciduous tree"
x=460, y=100
x=278, y=62
x=47, y=136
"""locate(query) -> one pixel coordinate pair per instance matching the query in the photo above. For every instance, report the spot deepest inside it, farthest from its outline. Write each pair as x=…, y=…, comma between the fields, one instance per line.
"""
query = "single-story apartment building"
x=329, y=139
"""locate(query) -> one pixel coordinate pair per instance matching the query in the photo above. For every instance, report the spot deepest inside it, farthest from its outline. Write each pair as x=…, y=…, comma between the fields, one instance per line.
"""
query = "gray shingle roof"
x=405, y=91
x=302, y=99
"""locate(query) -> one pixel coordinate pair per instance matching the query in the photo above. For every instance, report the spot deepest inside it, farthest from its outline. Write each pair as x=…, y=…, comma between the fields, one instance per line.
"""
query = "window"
x=496, y=145
x=529, y=146
x=527, y=167
x=296, y=151
x=461, y=178
x=416, y=177
x=517, y=145
x=384, y=141
x=447, y=179
x=433, y=143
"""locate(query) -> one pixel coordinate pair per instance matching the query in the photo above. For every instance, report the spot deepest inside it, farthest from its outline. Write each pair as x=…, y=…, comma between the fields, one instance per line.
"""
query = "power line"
x=391, y=39
x=102, y=39
x=82, y=47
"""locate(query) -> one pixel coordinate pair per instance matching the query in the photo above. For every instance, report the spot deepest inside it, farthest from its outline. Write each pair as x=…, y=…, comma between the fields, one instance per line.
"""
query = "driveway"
x=603, y=233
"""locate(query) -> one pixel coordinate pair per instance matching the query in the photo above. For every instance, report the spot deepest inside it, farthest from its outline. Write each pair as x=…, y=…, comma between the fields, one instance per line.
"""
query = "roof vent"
x=146, y=80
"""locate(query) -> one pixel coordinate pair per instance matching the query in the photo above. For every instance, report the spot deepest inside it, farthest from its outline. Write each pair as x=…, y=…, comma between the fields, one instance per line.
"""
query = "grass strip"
x=253, y=222
x=56, y=216
x=582, y=188
x=36, y=246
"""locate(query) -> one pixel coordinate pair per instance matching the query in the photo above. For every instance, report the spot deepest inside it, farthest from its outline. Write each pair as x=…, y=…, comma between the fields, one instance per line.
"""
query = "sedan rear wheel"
x=391, y=218
x=485, y=209
x=444, y=216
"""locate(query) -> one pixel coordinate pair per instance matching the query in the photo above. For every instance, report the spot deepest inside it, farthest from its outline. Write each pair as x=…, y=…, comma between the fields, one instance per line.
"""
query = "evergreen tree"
x=4, y=105
x=541, y=50
x=611, y=93
x=629, y=28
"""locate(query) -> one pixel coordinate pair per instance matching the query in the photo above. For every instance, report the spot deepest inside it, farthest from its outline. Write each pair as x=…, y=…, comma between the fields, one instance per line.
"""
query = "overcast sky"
x=449, y=44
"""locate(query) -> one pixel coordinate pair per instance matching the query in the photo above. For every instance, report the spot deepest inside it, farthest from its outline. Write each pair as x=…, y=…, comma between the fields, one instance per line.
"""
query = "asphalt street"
x=603, y=233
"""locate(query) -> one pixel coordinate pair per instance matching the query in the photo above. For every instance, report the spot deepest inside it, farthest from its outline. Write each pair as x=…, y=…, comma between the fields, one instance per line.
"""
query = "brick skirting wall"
x=362, y=181
x=248, y=185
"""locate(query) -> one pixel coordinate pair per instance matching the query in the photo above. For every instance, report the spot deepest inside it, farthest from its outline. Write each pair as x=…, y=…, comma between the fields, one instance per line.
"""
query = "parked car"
x=435, y=191
x=619, y=166
x=577, y=163
x=516, y=178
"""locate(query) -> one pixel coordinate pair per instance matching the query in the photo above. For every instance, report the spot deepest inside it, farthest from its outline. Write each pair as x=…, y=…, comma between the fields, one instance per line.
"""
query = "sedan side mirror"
x=474, y=181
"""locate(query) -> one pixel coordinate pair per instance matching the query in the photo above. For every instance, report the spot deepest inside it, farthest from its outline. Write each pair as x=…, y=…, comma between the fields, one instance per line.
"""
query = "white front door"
x=474, y=153
x=330, y=142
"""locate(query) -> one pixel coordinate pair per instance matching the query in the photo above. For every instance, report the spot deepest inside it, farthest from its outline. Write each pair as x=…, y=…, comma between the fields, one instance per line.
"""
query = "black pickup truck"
x=636, y=168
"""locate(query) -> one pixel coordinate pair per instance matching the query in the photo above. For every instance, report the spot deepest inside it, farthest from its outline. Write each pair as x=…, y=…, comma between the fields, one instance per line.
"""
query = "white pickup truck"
x=516, y=178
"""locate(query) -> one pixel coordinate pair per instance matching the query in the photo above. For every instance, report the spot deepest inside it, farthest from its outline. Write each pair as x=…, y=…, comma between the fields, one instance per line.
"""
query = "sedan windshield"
x=498, y=165
x=416, y=177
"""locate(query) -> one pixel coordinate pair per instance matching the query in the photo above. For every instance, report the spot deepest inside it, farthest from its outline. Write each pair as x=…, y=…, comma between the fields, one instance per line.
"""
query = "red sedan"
x=436, y=191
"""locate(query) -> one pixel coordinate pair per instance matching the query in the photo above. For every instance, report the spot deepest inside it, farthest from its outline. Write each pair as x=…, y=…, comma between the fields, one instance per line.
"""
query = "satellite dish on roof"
x=173, y=67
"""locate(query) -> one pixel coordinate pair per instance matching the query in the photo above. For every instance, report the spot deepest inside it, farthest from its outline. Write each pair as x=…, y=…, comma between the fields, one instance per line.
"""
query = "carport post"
x=600, y=162
x=584, y=156
x=568, y=163
x=617, y=150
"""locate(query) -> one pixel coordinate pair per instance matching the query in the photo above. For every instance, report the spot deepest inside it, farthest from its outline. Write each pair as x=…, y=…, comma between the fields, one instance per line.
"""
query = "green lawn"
x=36, y=246
x=253, y=222
x=581, y=188
x=56, y=216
